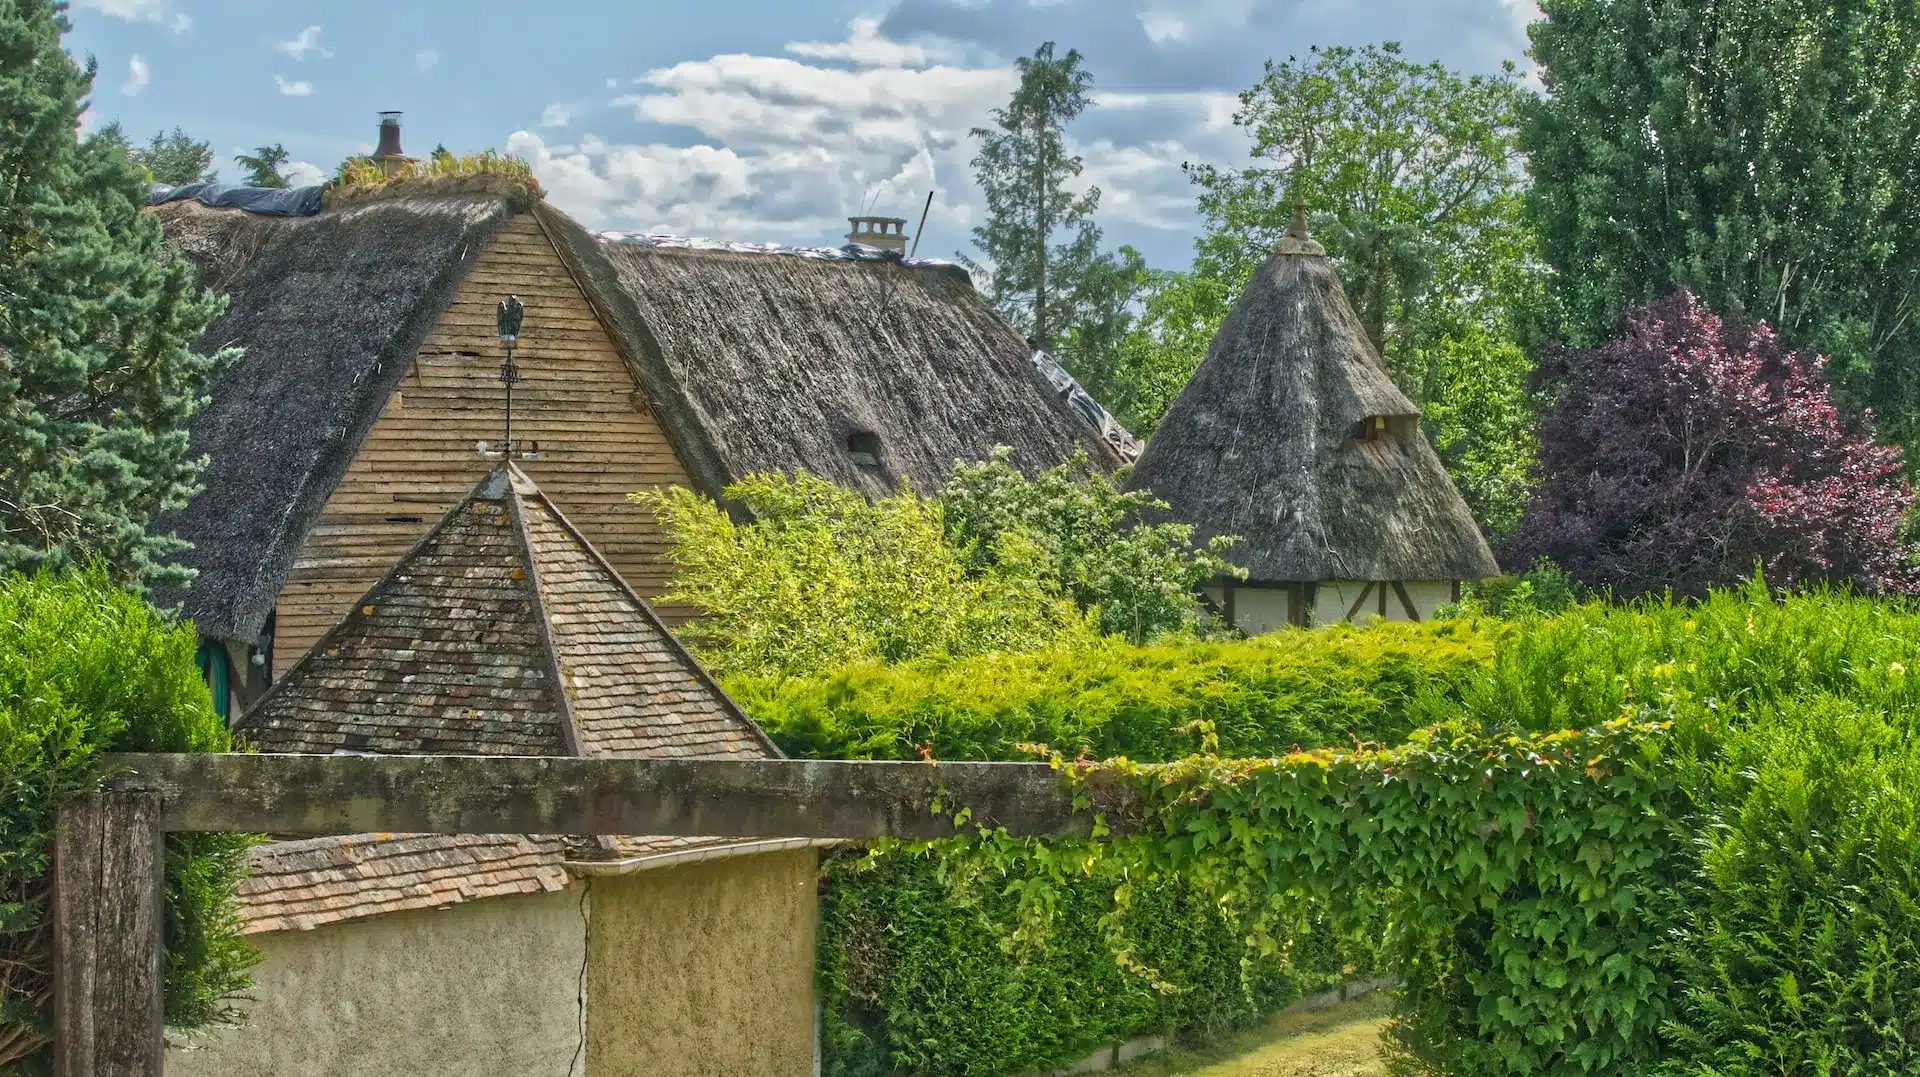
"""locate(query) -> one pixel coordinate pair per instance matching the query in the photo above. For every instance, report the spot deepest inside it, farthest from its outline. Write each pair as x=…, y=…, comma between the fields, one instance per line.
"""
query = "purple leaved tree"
x=1691, y=449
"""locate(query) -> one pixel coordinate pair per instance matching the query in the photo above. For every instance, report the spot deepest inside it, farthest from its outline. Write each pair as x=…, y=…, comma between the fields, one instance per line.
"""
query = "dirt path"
x=1343, y=1041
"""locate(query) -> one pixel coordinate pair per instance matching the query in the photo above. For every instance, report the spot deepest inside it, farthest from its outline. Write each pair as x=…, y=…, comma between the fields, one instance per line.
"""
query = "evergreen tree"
x=1023, y=168
x=174, y=159
x=263, y=165
x=1759, y=152
x=97, y=322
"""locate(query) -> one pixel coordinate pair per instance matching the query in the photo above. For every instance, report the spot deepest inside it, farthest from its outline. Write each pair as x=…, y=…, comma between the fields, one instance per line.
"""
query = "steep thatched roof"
x=775, y=362
x=331, y=310
x=1262, y=444
x=754, y=362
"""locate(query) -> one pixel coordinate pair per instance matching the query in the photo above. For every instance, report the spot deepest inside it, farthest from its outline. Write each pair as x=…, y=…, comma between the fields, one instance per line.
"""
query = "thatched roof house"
x=1293, y=437
x=371, y=372
x=504, y=632
x=863, y=371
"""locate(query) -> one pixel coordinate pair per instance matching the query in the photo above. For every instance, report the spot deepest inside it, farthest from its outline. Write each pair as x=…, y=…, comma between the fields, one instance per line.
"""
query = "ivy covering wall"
x=915, y=976
x=1674, y=839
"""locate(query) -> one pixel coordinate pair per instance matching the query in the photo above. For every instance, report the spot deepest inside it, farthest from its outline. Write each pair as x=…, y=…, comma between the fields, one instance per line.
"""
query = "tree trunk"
x=1040, y=232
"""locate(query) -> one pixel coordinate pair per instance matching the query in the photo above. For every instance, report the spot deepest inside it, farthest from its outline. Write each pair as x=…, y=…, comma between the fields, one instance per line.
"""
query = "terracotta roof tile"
x=455, y=652
x=298, y=885
x=444, y=656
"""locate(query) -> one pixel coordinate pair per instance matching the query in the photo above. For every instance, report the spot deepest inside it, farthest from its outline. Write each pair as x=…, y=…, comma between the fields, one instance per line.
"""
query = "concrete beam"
x=314, y=795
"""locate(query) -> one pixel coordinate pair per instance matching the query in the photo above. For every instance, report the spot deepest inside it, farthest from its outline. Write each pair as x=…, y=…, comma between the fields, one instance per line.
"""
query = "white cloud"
x=613, y=84
x=425, y=60
x=154, y=11
x=1180, y=21
x=303, y=173
x=556, y=115
x=293, y=89
x=302, y=43
x=138, y=76
x=777, y=148
x=865, y=47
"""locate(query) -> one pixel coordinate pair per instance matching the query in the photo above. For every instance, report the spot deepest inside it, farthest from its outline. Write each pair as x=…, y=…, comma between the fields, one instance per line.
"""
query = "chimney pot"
x=886, y=233
x=388, y=155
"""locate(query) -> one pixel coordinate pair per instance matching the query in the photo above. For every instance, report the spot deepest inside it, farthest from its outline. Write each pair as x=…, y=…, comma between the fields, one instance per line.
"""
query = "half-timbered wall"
x=597, y=436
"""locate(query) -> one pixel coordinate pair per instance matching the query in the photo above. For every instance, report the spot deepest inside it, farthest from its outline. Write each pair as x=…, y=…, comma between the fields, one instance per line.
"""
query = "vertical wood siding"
x=598, y=440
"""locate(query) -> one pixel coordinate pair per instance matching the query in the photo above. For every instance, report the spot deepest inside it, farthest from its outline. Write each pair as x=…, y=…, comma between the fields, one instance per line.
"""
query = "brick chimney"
x=388, y=155
x=886, y=233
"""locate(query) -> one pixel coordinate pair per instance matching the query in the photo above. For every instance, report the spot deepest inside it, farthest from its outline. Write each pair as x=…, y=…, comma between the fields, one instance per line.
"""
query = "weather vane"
x=509, y=314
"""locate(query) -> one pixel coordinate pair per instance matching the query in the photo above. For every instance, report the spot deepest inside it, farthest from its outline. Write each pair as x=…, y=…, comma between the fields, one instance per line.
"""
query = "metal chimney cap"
x=389, y=146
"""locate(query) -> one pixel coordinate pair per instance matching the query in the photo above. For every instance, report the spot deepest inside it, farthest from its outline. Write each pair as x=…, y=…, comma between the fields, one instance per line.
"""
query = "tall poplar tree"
x=1023, y=169
x=1764, y=153
x=97, y=320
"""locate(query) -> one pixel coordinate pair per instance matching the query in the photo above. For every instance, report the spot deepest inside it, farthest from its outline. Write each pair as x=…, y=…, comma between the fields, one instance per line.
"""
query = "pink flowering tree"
x=1690, y=450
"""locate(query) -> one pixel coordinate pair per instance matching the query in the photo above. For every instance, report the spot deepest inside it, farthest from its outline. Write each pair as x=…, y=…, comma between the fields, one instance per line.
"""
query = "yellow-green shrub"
x=1269, y=694
x=913, y=982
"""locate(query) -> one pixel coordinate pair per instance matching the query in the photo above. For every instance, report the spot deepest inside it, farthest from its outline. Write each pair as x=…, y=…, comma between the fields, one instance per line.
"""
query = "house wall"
x=1256, y=610
x=704, y=969
x=486, y=989
x=599, y=441
x=1338, y=596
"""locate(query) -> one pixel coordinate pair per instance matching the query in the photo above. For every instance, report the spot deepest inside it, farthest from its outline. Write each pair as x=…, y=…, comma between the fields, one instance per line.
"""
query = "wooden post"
x=108, y=1017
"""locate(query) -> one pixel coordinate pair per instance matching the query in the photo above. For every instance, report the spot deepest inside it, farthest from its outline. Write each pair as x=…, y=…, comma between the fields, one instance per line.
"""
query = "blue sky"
x=743, y=119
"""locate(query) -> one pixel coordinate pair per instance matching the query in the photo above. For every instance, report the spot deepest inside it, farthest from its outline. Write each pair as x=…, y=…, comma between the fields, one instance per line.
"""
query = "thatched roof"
x=331, y=310
x=1262, y=444
x=755, y=362
x=774, y=362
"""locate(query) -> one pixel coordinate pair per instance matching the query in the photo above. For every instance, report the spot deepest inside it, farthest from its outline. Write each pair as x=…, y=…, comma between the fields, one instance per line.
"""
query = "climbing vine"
x=1524, y=875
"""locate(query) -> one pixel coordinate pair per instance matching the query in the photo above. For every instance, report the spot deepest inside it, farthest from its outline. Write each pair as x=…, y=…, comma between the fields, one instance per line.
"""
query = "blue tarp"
x=276, y=201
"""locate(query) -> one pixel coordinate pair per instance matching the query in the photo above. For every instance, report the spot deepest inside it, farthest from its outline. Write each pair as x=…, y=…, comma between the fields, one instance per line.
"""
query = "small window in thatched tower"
x=1385, y=428
x=864, y=447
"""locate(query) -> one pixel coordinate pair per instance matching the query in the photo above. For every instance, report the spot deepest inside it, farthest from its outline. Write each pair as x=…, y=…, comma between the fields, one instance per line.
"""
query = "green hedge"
x=913, y=983
x=1659, y=838
x=1327, y=686
x=1793, y=938
x=84, y=669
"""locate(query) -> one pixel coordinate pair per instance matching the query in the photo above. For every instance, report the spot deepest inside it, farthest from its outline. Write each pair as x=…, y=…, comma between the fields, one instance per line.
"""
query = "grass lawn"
x=1343, y=1041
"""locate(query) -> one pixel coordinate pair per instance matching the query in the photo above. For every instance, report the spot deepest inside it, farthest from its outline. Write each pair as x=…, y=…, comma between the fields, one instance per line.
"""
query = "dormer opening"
x=864, y=447
x=1379, y=428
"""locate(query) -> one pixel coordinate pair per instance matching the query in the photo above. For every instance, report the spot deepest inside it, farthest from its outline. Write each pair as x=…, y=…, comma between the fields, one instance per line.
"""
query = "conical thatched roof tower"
x=1292, y=436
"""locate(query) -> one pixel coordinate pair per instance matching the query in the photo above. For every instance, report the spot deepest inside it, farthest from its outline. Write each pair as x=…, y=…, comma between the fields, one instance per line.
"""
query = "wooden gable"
x=599, y=441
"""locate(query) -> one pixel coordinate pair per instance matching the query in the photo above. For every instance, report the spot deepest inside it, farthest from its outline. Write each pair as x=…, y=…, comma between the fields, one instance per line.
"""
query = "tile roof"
x=443, y=656
x=296, y=885
x=634, y=690
x=502, y=632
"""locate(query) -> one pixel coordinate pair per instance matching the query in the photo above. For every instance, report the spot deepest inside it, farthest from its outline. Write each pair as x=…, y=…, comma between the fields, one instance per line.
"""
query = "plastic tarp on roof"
x=852, y=252
x=272, y=201
x=1085, y=406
